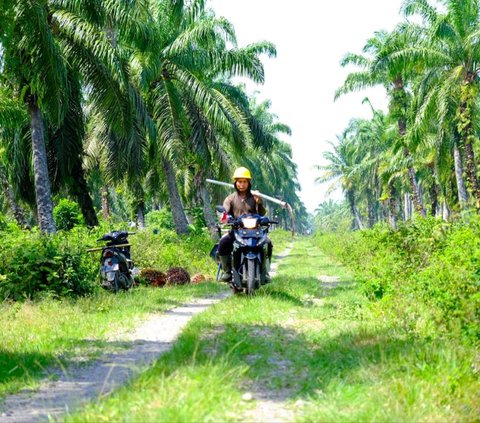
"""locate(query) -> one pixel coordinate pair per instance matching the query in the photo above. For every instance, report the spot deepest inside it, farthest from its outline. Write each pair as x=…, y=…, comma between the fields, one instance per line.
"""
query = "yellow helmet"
x=242, y=173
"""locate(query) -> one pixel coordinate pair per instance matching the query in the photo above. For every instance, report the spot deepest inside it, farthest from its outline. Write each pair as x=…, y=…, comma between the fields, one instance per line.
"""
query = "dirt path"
x=69, y=389
x=77, y=385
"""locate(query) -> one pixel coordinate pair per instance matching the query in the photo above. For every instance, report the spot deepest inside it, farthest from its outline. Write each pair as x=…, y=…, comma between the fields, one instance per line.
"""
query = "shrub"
x=32, y=264
x=426, y=262
x=160, y=219
x=66, y=214
x=166, y=249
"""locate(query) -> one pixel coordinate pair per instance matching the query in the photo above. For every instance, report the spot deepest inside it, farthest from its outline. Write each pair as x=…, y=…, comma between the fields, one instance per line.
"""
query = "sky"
x=311, y=37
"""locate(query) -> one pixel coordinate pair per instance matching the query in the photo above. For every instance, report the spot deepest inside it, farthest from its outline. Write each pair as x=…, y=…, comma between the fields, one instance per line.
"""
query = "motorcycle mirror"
x=220, y=209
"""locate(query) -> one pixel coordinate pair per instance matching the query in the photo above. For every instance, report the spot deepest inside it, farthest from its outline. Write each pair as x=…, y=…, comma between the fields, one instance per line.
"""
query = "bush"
x=160, y=219
x=426, y=262
x=166, y=249
x=32, y=264
x=67, y=214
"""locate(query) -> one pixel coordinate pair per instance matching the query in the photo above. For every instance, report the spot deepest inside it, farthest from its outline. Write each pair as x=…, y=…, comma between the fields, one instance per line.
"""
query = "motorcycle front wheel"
x=250, y=276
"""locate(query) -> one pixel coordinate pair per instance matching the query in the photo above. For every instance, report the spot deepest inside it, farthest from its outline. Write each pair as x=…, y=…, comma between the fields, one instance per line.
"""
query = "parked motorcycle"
x=117, y=270
x=250, y=262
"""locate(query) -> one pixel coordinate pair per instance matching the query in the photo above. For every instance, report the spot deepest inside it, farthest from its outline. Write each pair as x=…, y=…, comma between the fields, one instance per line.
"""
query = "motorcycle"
x=117, y=270
x=250, y=262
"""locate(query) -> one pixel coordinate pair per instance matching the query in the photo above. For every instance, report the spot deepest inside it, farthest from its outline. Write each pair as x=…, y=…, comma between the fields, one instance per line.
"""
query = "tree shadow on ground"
x=279, y=294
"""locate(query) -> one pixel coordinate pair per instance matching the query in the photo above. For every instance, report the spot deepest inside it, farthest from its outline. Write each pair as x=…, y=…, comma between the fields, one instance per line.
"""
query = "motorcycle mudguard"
x=252, y=256
x=109, y=268
x=237, y=279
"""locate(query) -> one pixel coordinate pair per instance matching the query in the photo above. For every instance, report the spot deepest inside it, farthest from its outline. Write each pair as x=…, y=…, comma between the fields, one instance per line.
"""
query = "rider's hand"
x=255, y=194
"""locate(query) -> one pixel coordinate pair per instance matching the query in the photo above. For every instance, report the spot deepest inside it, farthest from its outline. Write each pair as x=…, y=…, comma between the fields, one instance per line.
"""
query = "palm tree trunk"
x=392, y=206
x=40, y=168
x=204, y=199
x=414, y=187
x=357, y=221
x=80, y=191
x=399, y=103
x=140, y=215
x=408, y=209
x=467, y=135
x=207, y=210
x=105, y=202
x=179, y=218
x=370, y=209
x=445, y=211
x=434, y=191
x=16, y=209
x=457, y=160
x=471, y=170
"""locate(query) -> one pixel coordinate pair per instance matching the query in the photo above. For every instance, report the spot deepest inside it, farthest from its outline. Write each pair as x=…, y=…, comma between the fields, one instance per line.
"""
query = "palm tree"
x=180, y=81
x=12, y=117
x=450, y=58
x=343, y=161
x=42, y=45
x=376, y=69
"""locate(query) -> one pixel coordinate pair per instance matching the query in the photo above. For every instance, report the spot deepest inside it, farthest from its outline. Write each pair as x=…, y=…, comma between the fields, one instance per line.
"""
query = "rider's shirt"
x=236, y=206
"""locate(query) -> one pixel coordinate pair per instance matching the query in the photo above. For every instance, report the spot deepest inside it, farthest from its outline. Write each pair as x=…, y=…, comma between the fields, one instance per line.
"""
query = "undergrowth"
x=426, y=273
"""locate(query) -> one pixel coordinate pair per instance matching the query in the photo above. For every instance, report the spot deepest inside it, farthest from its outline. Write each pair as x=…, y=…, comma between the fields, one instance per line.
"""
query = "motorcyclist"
x=243, y=201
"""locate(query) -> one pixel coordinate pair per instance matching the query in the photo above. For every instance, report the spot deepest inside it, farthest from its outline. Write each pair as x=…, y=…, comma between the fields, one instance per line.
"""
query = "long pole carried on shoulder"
x=284, y=204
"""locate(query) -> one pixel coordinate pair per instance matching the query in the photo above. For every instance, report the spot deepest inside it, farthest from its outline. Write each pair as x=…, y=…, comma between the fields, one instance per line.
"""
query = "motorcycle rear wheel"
x=125, y=281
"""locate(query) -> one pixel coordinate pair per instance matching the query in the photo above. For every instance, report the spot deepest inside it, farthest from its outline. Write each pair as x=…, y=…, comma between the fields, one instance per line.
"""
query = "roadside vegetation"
x=312, y=341
x=425, y=274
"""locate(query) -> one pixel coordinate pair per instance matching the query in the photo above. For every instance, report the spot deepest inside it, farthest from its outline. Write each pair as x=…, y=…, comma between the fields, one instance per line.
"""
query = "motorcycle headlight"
x=249, y=222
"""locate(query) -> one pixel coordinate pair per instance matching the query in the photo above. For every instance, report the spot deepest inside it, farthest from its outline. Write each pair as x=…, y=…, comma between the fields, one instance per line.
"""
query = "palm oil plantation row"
x=130, y=106
x=421, y=155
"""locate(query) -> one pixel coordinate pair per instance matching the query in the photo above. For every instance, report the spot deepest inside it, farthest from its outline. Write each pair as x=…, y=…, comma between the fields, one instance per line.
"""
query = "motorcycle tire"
x=116, y=283
x=125, y=281
x=251, y=276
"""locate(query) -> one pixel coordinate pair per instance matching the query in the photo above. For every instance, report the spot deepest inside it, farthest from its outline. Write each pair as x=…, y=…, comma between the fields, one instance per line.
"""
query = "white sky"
x=311, y=37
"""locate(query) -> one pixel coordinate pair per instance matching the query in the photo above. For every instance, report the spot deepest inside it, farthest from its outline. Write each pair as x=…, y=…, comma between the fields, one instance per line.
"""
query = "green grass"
x=280, y=239
x=320, y=343
x=38, y=334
